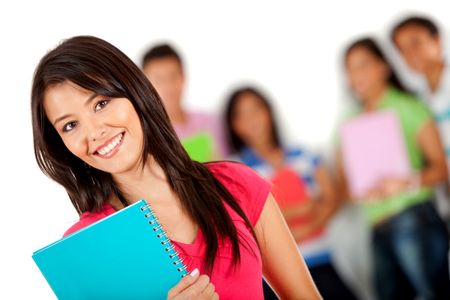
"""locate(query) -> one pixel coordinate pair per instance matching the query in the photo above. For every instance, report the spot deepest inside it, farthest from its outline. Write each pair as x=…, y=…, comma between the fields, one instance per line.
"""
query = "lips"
x=111, y=146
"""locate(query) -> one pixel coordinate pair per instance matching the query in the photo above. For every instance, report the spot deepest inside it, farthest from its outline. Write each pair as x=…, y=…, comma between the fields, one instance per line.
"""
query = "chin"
x=416, y=66
x=418, y=69
x=114, y=169
x=359, y=94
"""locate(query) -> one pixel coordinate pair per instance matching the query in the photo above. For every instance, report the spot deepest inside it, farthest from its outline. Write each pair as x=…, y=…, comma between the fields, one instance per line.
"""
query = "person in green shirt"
x=410, y=241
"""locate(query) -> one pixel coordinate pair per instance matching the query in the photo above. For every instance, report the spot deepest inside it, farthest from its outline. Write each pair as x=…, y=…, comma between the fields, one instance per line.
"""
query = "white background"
x=291, y=49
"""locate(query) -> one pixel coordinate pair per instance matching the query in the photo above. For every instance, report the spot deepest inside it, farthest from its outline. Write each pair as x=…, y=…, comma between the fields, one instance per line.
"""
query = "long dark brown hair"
x=232, y=102
x=98, y=66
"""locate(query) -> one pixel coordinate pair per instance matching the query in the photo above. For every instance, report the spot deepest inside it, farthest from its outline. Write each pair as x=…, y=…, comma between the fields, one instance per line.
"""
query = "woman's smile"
x=111, y=146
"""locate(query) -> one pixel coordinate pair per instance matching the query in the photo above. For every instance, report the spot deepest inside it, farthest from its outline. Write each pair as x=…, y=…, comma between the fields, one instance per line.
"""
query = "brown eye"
x=69, y=126
x=100, y=104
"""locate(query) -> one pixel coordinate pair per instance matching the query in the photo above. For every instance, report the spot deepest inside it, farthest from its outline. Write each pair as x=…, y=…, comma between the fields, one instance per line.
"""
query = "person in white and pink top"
x=200, y=133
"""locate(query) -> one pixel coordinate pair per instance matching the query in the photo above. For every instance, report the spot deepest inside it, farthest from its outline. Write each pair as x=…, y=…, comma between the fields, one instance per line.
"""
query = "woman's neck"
x=372, y=100
x=269, y=152
x=147, y=182
x=150, y=183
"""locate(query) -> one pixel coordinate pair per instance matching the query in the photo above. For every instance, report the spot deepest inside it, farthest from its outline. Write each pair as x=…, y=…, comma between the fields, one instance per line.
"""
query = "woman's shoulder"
x=89, y=218
x=234, y=170
x=405, y=98
x=409, y=106
x=248, y=188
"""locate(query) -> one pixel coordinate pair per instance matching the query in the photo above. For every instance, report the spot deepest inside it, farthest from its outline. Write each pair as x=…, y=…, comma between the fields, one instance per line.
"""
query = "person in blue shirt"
x=304, y=189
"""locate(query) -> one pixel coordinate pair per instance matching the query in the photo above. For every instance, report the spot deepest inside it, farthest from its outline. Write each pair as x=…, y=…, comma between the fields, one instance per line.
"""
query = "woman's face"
x=366, y=73
x=251, y=120
x=103, y=132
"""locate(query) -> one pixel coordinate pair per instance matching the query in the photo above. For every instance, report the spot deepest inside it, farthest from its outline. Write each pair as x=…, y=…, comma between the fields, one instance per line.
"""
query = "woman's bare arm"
x=283, y=265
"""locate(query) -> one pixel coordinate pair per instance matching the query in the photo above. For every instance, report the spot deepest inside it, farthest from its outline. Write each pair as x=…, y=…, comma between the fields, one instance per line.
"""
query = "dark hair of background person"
x=423, y=22
x=371, y=45
x=161, y=51
x=235, y=142
x=98, y=66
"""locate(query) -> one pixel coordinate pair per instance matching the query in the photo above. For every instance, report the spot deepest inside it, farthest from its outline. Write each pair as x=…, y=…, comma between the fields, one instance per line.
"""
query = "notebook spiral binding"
x=165, y=241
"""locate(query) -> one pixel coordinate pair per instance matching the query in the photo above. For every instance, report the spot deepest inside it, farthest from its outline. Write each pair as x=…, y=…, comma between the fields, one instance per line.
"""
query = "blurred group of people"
x=406, y=217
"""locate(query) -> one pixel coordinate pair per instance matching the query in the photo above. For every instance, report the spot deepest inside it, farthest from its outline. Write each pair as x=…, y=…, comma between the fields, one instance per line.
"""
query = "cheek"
x=130, y=119
x=265, y=120
x=179, y=84
x=123, y=116
x=379, y=74
x=355, y=77
x=410, y=57
x=432, y=51
x=76, y=145
x=373, y=75
x=240, y=127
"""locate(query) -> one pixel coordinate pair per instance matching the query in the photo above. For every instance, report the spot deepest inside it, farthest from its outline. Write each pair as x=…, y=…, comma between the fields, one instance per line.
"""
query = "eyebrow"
x=89, y=100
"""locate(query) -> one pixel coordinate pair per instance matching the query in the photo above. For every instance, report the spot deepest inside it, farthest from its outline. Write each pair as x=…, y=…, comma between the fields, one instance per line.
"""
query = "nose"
x=95, y=131
x=98, y=135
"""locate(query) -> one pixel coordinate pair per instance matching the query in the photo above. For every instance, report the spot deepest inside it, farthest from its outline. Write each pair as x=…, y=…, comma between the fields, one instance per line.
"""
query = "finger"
x=202, y=282
x=209, y=290
x=184, y=283
x=197, y=287
x=215, y=296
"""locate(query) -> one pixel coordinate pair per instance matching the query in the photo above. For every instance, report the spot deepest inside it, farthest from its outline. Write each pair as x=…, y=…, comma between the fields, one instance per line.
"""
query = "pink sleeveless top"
x=251, y=192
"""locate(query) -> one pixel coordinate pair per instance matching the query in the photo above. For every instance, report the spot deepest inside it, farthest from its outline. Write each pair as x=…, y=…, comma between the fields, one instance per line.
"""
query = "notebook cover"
x=290, y=190
x=289, y=187
x=373, y=148
x=118, y=257
x=200, y=146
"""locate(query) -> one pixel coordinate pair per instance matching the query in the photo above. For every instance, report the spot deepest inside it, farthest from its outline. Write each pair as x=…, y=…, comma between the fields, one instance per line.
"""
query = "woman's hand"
x=391, y=187
x=193, y=286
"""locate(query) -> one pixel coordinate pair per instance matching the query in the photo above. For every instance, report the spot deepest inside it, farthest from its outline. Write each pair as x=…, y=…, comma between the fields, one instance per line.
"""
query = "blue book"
x=126, y=255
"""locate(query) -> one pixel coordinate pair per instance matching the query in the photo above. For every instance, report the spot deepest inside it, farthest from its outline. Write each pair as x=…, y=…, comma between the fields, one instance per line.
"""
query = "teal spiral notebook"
x=126, y=255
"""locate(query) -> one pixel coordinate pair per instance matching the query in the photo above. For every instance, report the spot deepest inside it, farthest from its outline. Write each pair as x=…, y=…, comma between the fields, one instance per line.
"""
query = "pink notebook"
x=290, y=190
x=373, y=148
x=289, y=187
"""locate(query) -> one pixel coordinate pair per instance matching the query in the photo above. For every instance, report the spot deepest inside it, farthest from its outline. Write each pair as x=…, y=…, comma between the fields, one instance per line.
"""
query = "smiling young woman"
x=101, y=131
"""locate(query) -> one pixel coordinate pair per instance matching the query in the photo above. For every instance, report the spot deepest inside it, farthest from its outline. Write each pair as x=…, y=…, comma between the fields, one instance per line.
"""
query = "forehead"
x=167, y=64
x=248, y=100
x=412, y=31
x=64, y=92
x=359, y=53
x=63, y=97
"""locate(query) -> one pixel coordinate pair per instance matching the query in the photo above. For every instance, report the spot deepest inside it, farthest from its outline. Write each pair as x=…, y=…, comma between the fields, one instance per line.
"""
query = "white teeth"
x=110, y=146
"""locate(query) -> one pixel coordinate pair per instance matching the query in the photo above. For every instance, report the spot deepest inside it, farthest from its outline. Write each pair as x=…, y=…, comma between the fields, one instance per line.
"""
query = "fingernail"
x=194, y=272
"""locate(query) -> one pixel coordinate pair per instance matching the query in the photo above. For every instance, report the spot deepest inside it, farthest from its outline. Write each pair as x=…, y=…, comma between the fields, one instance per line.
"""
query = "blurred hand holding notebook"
x=373, y=148
x=126, y=255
